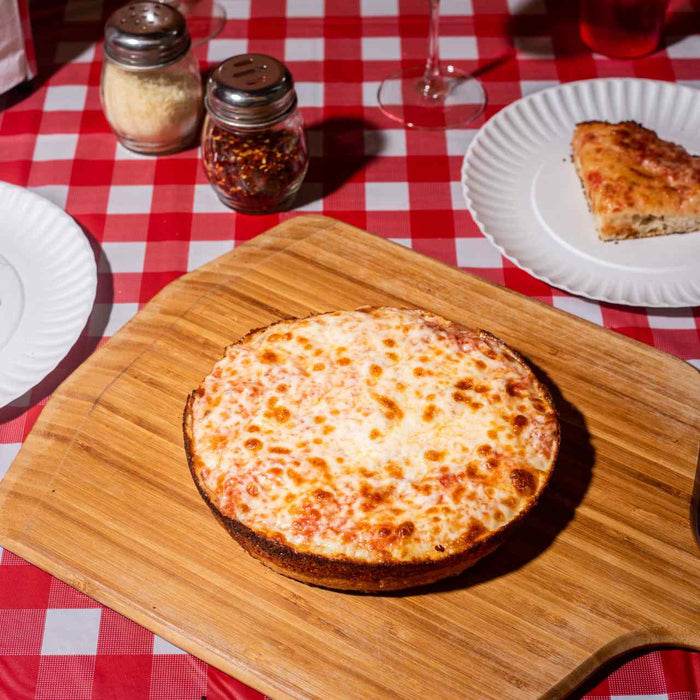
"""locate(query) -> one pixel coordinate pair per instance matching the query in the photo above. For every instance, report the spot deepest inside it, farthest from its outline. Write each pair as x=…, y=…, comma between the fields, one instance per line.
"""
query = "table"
x=150, y=220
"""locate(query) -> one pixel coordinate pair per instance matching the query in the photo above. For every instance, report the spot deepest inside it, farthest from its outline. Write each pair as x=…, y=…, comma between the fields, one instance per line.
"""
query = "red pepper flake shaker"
x=253, y=144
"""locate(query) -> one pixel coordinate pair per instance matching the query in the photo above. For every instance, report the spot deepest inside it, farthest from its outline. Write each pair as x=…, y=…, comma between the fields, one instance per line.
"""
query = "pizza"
x=374, y=449
x=636, y=184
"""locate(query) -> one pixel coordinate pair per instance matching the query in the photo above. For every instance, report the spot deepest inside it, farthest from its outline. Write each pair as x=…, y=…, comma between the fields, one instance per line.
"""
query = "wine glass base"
x=404, y=97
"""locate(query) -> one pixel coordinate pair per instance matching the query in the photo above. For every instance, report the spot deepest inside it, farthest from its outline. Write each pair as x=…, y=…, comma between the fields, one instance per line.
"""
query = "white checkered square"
x=75, y=52
x=458, y=140
x=456, y=8
x=690, y=83
x=679, y=319
x=527, y=7
x=118, y=256
x=458, y=47
x=476, y=252
x=130, y=199
x=534, y=46
x=236, y=9
x=405, y=242
x=58, y=194
x=163, y=646
x=202, y=252
x=695, y=363
x=122, y=153
x=8, y=451
x=385, y=142
x=379, y=8
x=369, y=94
x=303, y=49
x=381, y=48
x=110, y=317
x=309, y=94
x=65, y=97
x=55, y=147
x=219, y=50
x=583, y=308
x=304, y=8
x=386, y=196
x=528, y=87
x=687, y=47
x=457, y=196
x=206, y=201
x=71, y=631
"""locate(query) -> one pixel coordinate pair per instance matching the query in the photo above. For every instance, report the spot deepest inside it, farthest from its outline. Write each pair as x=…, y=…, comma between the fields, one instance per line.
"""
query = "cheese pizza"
x=369, y=450
x=636, y=184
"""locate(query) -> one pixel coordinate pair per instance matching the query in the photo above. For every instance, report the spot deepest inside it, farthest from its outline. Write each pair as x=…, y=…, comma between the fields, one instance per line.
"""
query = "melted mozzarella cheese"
x=374, y=435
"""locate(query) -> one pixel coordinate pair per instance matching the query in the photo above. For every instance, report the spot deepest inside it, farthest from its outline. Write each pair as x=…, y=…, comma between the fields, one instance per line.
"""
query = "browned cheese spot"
x=274, y=471
x=481, y=388
x=374, y=434
x=460, y=397
x=424, y=358
x=335, y=412
x=439, y=548
x=199, y=392
x=476, y=405
x=252, y=490
x=384, y=531
x=302, y=339
x=217, y=372
x=538, y=405
x=491, y=354
x=492, y=434
x=244, y=508
x=492, y=463
x=476, y=530
x=322, y=495
x=328, y=429
x=498, y=516
x=317, y=352
x=344, y=361
x=318, y=462
x=340, y=350
x=317, y=441
x=458, y=493
x=509, y=502
x=389, y=342
x=318, y=367
x=524, y=482
x=290, y=497
x=429, y=412
x=282, y=414
x=393, y=356
x=253, y=444
x=373, y=497
x=367, y=473
x=274, y=337
x=484, y=450
x=480, y=364
x=405, y=529
x=268, y=357
x=496, y=398
x=519, y=422
x=319, y=419
x=418, y=371
x=512, y=389
x=464, y=384
x=375, y=370
x=473, y=470
x=272, y=401
x=393, y=411
x=294, y=475
x=394, y=470
x=434, y=455
x=281, y=388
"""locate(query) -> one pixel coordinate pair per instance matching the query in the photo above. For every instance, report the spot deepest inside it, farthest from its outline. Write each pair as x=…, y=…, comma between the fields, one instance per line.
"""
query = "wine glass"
x=431, y=96
x=205, y=18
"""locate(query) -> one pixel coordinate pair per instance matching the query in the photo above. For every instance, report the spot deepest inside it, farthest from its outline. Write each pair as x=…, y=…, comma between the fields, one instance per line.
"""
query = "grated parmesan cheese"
x=152, y=107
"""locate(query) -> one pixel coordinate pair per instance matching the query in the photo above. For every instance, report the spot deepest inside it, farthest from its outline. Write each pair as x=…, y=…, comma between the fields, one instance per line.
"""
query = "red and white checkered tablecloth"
x=152, y=219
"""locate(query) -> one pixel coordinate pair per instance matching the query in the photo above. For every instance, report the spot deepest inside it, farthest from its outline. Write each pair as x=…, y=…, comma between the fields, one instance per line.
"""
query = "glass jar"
x=151, y=89
x=253, y=143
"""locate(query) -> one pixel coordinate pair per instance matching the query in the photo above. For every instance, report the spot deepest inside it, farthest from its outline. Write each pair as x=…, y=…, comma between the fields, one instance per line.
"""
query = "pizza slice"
x=636, y=184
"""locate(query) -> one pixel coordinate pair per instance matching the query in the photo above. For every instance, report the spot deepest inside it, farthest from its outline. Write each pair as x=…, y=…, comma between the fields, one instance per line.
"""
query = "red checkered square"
x=65, y=677
x=23, y=587
x=21, y=631
x=18, y=675
x=120, y=636
x=223, y=687
x=62, y=596
x=119, y=677
x=177, y=677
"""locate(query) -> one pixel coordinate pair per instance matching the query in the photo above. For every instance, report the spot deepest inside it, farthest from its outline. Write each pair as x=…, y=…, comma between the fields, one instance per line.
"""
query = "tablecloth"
x=149, y=220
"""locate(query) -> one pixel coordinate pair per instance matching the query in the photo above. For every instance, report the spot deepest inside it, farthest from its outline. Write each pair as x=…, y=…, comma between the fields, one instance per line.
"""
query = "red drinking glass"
x=622, y=28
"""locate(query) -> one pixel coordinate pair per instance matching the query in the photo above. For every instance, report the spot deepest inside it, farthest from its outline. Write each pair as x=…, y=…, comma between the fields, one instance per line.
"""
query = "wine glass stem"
x=432, y=65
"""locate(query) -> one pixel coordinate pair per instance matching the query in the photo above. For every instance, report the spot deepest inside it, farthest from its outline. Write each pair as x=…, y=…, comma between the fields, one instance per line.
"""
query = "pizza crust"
x=344, y=572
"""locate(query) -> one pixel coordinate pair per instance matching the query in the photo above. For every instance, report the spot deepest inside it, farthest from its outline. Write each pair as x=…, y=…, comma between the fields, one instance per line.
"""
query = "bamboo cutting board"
x=101, y=497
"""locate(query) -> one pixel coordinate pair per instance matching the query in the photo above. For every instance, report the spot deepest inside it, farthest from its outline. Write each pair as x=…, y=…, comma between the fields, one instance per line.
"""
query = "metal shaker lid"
x=250, y=90
x=146, y=35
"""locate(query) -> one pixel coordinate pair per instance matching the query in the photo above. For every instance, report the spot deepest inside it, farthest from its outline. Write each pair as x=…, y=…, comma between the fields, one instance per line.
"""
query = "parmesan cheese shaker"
x=151, y=89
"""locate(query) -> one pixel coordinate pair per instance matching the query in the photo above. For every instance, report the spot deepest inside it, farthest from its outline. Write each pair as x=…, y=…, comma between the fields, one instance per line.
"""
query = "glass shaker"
x=253, y=143
x=151, y=88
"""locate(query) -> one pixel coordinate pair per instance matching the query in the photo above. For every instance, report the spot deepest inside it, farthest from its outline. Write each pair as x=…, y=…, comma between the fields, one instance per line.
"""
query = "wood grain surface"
x=101, y=497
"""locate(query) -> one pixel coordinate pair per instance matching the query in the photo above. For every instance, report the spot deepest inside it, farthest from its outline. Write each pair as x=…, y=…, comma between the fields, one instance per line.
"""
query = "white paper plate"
x=524, y=194
x=47, y=288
